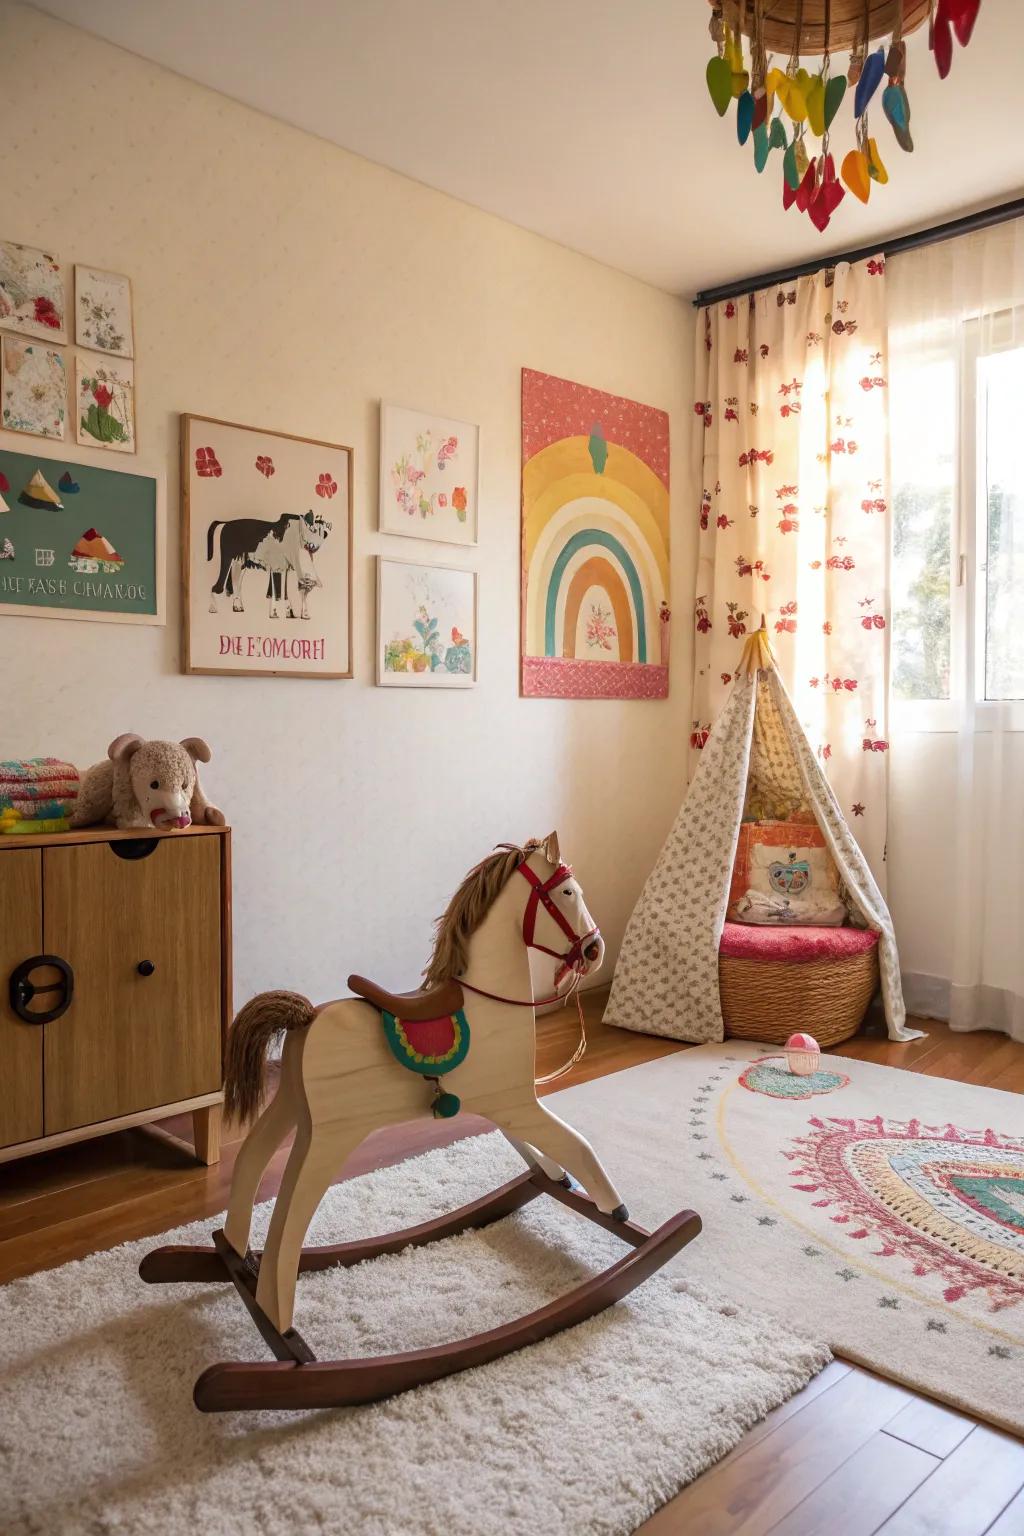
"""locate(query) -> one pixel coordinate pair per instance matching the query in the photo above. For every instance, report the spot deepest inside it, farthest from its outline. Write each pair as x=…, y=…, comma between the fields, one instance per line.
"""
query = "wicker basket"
x=767, y=999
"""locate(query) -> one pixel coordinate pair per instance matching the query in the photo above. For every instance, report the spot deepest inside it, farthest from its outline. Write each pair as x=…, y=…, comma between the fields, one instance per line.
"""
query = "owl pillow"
x=785, y=875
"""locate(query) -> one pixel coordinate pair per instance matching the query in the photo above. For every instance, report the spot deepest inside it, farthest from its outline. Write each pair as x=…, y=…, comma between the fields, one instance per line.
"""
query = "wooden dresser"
x=115, y=983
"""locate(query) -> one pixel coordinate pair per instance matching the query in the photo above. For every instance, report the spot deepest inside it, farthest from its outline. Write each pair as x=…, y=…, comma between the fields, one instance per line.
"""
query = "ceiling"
x=585, y=120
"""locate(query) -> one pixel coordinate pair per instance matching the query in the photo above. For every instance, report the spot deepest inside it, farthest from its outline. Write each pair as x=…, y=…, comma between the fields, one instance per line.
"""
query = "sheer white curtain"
x=956, y=370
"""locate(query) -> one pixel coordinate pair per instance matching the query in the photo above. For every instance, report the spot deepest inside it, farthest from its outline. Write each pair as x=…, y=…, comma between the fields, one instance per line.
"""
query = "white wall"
x=283, y=283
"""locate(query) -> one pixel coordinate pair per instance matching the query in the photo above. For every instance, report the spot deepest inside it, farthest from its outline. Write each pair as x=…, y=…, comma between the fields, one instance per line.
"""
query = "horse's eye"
x=155, y=784
x=567, y=891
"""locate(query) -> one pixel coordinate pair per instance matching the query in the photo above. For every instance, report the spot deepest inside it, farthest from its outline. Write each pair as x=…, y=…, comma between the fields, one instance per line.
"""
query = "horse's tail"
x=262, y=1019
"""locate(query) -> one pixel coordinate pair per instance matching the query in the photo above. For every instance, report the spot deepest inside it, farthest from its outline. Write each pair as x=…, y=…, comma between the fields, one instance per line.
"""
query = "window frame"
x=981, y=336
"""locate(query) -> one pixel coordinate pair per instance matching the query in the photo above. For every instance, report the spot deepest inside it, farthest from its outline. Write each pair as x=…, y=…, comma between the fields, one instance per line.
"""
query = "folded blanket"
x=37, y=789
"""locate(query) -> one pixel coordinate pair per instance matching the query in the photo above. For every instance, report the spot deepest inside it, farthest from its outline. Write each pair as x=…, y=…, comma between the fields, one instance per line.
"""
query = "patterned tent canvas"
x=666, y=979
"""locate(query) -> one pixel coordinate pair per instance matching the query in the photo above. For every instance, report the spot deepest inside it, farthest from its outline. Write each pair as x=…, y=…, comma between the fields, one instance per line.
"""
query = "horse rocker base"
x=379, y=1058
x=297, y=1379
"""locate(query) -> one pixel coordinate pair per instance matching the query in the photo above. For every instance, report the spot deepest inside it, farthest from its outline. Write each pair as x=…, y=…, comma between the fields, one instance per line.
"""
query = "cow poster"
x=267, y=550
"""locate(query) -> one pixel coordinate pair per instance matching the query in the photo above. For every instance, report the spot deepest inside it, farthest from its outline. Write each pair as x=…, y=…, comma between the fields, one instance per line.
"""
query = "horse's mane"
x=468, y=908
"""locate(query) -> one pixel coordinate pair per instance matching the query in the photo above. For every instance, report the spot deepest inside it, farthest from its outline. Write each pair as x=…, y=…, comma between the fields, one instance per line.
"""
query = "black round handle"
x=145, y=967
x=22, y=989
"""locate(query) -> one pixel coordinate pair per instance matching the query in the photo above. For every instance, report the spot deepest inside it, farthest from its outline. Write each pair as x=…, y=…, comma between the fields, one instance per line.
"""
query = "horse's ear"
x=551, y=852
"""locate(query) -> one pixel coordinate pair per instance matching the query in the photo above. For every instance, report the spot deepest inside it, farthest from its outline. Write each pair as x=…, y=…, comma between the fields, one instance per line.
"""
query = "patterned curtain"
x=792, y=421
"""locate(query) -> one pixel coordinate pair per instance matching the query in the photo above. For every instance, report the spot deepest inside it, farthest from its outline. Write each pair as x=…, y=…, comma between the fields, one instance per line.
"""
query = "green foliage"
x=922, y=528
x=102, y=426
x=1004, y=648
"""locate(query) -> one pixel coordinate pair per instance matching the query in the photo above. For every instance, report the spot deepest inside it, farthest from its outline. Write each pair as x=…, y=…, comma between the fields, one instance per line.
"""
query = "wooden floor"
x=851, y=1454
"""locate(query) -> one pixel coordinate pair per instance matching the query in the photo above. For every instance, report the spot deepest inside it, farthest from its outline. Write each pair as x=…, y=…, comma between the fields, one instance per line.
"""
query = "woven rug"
x=588, y=1432
x=884, y=1212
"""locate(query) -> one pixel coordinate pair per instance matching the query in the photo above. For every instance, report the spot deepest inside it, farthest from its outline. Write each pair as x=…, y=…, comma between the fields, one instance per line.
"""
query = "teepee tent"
x=666, y=979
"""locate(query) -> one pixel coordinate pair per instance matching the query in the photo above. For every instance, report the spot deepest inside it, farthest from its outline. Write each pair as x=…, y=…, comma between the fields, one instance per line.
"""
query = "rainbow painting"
x=595, y=571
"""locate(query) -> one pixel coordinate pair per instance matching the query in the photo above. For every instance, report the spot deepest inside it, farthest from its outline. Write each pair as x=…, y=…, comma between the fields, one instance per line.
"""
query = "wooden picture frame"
x=448, y=669
x=427, y=506
x=81, y=506
x=295, y=488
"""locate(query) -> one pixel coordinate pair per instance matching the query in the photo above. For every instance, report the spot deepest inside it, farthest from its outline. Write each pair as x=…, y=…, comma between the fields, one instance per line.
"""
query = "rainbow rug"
x=881, y=1210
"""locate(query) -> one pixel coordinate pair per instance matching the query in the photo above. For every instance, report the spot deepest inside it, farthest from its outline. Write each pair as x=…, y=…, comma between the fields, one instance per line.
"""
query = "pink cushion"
x=745, y=941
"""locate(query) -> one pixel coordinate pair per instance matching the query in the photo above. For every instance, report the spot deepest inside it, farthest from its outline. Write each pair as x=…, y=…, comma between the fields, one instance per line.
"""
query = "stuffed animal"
x=147, y=784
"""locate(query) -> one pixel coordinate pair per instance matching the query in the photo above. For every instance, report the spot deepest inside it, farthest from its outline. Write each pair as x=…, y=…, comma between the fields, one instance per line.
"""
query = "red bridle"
x=573, y=958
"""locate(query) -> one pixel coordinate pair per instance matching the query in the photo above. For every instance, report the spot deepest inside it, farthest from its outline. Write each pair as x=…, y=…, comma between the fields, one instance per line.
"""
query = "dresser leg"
x=206, y=1133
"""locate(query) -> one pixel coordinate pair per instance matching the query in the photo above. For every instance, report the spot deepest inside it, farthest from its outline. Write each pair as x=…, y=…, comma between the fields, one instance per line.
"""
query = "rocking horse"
x=341, y=1078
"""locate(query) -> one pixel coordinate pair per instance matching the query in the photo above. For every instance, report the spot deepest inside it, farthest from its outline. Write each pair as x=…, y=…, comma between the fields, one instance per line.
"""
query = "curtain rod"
x=983, y=219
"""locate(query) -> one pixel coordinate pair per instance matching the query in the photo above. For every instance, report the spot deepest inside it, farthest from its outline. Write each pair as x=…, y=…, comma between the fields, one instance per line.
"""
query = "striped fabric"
x=36, y=789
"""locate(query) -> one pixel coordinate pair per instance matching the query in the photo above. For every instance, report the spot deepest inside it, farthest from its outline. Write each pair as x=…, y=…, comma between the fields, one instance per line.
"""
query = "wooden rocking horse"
x=342, y=1077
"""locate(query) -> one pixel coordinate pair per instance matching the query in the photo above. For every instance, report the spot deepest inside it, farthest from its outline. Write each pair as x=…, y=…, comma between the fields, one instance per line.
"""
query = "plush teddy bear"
x=147, y=784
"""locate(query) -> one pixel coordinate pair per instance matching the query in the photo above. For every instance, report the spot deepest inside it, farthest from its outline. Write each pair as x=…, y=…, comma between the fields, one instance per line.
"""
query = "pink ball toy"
x=803, y=1054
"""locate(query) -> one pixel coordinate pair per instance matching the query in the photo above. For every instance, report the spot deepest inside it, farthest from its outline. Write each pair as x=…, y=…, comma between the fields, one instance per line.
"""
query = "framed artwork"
x=80, y=542
x=31, y=292
x=103, y=312
x=105, y=403
x=426, y=625
x=595, y=544
x=34, y=388
x=429, y=476
x=266, y=552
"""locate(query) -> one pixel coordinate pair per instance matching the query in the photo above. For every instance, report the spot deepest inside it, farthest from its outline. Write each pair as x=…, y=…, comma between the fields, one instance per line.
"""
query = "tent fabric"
x=666, y=979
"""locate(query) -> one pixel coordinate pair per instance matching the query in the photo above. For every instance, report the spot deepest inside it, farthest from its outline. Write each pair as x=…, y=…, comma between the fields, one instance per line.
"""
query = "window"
x=958, y=523
x=1000, y=501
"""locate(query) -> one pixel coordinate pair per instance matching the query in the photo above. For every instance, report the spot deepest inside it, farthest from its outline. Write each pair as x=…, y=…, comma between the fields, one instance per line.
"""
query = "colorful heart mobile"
x=783, y=108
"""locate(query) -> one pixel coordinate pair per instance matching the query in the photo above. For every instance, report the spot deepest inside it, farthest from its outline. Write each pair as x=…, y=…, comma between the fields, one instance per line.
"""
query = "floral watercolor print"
x=428, y=476
x=103, y=312
x=426, y=626
x=31, y=292
x=106, y=404
x=34, y=389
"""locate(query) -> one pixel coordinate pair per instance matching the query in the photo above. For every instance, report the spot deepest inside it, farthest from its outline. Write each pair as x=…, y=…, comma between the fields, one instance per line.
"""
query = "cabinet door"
x=21, y=1045
x=133, y=1039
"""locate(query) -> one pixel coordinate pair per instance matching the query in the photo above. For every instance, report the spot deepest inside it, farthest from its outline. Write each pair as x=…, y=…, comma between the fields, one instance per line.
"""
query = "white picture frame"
x=48, y=457
x=427, y=625
x=429, y=476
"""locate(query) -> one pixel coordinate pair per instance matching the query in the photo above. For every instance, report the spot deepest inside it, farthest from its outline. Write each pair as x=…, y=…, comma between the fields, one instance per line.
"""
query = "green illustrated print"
x=98, y=420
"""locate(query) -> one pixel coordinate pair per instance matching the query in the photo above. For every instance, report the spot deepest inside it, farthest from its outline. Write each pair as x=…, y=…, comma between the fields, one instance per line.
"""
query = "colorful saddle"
x=427, y=1032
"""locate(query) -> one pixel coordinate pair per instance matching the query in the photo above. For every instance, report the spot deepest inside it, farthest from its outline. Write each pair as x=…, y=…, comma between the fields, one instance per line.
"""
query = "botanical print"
x=103, y=312
x=31, y=292
x=89, y=549
x=595, y=577
x=106, y=404
x=428, y=476
x=267, y=550
x=426, y=625
x=34, y=389
x=791, y=423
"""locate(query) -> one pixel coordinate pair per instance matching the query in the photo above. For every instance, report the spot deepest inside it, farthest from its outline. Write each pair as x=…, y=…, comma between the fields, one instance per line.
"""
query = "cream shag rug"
x=885, y=1213
x=588, y=1432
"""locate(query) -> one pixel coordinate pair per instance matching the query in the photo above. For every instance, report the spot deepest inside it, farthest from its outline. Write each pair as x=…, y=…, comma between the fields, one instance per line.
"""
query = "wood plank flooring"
x=850, y=1454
